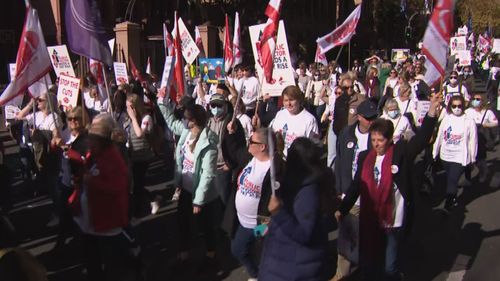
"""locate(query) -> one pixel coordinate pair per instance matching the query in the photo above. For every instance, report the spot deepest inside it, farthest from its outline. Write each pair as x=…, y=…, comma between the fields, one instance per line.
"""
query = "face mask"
x=453, y=81
x=216, y=111
x=393, y=113
x=185, y=122
x=457, y=111
x=475, y=103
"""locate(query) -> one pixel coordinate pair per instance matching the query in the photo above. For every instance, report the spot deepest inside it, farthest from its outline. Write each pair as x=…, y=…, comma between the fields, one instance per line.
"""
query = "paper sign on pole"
x=496, y=46
x=11, y=111
x=111, y=43
x=67, y=91
x=464, y=58
x=458, y=44
x=121, y=75
x=283, y=72
x=60, y=60
x=167, y=71
x=189, y=49
x=422, y=109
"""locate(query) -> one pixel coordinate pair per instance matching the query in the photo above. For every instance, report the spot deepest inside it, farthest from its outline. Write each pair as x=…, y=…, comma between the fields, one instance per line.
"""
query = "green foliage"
x=483, y=12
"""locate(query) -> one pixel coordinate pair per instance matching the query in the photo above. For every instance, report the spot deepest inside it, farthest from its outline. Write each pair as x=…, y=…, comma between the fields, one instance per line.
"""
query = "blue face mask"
x=217, y=111
x=475, y=103
x=393, y=113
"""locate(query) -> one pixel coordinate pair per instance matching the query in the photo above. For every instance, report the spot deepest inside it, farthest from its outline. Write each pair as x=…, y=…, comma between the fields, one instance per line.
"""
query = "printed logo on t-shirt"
x=246, y=187
x=187, y=164
x=288, y=137
x=451, y=138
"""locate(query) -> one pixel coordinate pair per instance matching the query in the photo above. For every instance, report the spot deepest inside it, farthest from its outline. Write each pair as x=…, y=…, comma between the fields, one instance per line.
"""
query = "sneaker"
x=155, y=206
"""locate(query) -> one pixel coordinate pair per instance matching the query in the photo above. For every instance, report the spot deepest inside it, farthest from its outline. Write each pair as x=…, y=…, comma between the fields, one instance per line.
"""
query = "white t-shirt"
x=250, y=92
x=249, y=191
x=360, y=146
x=457, y=140
x=187, y=164
x=478, y=116
x=408, y=106
x=456, y=91
x=294, y=126
x=400, y=127
x=246, y=122
x=94, y=104
x=42, y=122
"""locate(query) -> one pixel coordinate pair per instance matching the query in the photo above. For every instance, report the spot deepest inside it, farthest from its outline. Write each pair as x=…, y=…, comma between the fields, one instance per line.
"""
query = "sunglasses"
x=215, y=105
x=73, y=119
x=40, y=100
x=453, y=77
x=348, y=87
x=478, y=99
x=456, y=105
x=250, y=141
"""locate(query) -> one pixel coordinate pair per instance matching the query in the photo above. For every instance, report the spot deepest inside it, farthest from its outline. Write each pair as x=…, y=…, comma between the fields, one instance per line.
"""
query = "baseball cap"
x=217, y=99
x=367, y=109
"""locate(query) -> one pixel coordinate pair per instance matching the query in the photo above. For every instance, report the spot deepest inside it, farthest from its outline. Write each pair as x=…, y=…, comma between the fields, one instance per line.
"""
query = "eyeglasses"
x=348, y=87
x=250, y=141
x=456, y=105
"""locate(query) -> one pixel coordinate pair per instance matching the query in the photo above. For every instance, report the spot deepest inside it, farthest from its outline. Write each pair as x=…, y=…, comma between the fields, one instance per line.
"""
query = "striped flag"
x=228, y=49
x=267, y=40
x=342, y=34
x=238, y=58
x=436, y=41
x=168, y=42
x=319, y=57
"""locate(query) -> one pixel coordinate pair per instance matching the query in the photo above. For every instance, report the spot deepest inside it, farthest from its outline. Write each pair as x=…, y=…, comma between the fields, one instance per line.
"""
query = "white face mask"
x=456, y=111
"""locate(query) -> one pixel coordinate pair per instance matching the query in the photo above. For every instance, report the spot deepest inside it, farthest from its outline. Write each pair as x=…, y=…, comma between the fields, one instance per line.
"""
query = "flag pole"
x=272, y=170
x=110, y=102
x=340, y=52
x=51, y=107
x=349, y=57
x=82, y=81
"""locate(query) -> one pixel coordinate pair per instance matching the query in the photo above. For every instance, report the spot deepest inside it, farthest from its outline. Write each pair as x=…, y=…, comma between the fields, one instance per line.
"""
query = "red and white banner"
x=198, y=41
x=435, y=42
x=267, y=40
x=483, y=43
x=168, y=42
x=228, y=49
x=179, y=65
x=342, y=34
x=32, y=61
x=319, y=57
x=238, y=58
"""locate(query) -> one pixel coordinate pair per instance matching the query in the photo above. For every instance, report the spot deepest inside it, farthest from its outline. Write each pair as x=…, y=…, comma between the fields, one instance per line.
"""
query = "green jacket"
x=205, y=155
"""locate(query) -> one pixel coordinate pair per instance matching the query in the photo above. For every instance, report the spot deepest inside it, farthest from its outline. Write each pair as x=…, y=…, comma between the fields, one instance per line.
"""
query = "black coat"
x=241, y=157
x=403, y=158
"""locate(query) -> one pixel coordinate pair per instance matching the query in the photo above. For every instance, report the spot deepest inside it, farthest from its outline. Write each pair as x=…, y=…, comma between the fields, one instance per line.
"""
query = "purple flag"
x=86, y=35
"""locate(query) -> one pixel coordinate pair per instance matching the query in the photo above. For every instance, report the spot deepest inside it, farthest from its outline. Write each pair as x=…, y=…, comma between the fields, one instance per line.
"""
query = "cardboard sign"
x=462, y=31
x=458, y=44
x=464, y=58
x=399, y=54
x=189, y=49
x=11, y=111
x=496, y=46
x=422, y=109
x=212, y=70
x=282, y=72
x=121, y=74
x=60, y=60
x=168, y=69
x=67, y=91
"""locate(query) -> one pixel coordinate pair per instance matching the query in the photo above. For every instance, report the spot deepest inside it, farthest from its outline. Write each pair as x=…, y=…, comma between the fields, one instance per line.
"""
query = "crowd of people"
x=337, y=149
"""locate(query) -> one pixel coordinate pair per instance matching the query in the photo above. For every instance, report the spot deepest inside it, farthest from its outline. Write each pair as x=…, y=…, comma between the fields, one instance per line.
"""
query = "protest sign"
x=212, y=69
x=60, y=60
x=167, y=71
x=422, y=109
x=496, y=46
x=464, y=58
x=67, y=91
x=189, y=49
x=121, y=74
x=11, y=111
x=399, y=54
x=462, y=31
x=282, y=72
x=458, y=44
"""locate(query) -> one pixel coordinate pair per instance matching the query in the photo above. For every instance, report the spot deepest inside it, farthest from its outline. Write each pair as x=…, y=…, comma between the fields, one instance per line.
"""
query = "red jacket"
x=108, y=191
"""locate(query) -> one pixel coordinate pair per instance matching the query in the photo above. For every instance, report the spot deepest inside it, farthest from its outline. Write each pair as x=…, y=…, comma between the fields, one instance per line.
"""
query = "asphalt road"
x=461, y=245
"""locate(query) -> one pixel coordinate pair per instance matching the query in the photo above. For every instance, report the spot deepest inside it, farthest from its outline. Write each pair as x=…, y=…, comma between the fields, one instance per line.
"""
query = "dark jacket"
x=346, y=143
x=345, y=111
x=297, y=244
x=404, y=155
x=241, y=157
x=267, y=111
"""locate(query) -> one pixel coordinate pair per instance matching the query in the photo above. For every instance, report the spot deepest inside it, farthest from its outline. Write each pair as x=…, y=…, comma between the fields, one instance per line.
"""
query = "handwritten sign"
x=464, y=58
x=422, y=109
x=67, y=92
x=189, y=49
x=121, y=75
x=60, y=60
x=282, y=72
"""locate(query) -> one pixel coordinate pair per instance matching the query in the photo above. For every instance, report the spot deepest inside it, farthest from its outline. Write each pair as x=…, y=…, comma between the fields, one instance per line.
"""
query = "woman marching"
x=383, y=184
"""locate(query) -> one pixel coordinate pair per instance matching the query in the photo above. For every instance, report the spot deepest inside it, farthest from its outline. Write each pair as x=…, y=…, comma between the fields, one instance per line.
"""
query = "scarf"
x=377, y=203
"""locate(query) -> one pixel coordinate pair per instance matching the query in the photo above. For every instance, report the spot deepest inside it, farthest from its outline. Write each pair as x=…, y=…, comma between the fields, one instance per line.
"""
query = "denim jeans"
x=241, y=247
x=387, y=269
x=223, y=184
x=453, y=173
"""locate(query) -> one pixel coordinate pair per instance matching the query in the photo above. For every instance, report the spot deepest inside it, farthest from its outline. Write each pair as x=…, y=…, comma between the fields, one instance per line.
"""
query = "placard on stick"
x=67, y=91
x=121, y=74
x=60, y=60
